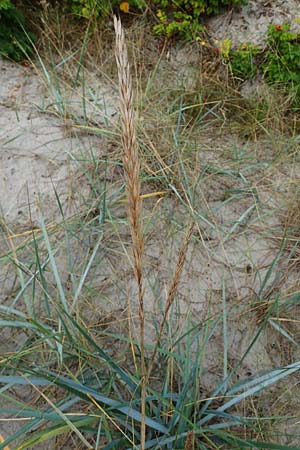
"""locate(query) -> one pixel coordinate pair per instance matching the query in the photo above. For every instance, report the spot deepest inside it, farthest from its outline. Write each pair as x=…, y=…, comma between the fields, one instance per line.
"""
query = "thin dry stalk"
x=133, y=184
x=172, y=291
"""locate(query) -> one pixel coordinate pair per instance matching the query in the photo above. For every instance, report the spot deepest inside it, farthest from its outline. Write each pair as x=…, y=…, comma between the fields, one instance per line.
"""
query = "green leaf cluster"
x=181, y=17
x=242, y=61
x=87, y=8
x=176, y=17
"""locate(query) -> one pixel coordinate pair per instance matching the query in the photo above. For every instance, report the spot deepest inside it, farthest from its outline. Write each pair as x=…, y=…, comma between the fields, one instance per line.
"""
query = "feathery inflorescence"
x=133, y=186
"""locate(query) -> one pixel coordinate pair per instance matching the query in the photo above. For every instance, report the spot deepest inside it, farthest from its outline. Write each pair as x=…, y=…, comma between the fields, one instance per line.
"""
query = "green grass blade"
x=54, y=266
x=85, y=273
x=128, y=380
x=54, y=431
x=86, y=392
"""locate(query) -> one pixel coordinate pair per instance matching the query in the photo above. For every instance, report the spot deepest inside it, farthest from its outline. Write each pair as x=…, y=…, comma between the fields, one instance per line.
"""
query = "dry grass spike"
x=172, y=290
x=133, y=184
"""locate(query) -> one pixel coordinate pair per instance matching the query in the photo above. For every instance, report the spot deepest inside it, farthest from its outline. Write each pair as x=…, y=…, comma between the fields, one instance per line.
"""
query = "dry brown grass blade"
x=172, y=290
x=133, y=184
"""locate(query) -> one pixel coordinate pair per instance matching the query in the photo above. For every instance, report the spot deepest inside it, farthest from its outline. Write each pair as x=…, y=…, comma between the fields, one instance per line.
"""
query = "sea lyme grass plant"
x=100, y=402
x=84, y=389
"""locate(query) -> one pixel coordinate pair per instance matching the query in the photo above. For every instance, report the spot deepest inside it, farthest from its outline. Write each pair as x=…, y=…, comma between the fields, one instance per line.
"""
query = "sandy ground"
x=39, y=157
x=38, y=163
x=250, y=23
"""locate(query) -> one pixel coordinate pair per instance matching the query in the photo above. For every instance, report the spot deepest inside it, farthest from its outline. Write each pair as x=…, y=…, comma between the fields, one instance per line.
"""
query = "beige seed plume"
x=131, y=157
x=134, y=204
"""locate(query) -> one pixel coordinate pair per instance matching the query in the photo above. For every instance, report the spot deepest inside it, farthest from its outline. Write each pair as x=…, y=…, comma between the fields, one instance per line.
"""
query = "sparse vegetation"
x=278, y=61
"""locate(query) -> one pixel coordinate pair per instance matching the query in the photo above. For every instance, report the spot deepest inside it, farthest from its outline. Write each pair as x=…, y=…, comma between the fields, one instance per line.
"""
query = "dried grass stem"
x=133, y=186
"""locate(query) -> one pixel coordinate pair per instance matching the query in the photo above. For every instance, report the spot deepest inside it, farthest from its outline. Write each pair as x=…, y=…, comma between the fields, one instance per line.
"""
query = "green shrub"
x=182, y=16
x=279, y=61
x=14, y=41
x=282, y=59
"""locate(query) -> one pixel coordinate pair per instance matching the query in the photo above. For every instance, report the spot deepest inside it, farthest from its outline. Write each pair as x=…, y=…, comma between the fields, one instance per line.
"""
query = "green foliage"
x=5, y=4
x=87, y=8
x=182, y=17
x=14, y=41
x=282, y=60
x=242, y=61
x=279, y=61
x=179, y=17
x=94, y=8
x=182, y=24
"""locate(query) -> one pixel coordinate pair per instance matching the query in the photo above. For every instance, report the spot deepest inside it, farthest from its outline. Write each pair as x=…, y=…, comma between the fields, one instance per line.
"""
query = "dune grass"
x=85, y=284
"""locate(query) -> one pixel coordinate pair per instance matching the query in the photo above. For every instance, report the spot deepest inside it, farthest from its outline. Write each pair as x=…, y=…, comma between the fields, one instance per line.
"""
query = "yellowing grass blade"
x=143, y=196
x=154, y=194
x=3, y=440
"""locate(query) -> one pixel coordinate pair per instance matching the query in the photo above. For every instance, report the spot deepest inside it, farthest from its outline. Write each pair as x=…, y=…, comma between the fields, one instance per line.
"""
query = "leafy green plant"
x=242, y=61
x=14, y=41
x=282, y=59
x=182, y=17
x=181, y=24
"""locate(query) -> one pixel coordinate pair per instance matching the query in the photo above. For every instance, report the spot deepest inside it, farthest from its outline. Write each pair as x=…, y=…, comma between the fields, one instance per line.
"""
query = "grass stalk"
x=134, y=202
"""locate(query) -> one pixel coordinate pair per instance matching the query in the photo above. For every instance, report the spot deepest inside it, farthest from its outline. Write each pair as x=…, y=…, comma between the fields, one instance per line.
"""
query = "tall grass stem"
x=134, y=202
